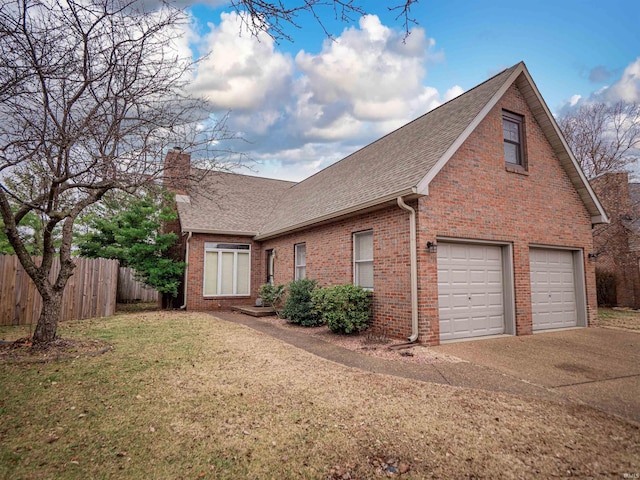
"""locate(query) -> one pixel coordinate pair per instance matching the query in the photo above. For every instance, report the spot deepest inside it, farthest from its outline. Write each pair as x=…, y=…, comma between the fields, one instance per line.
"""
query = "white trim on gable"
x=575, y=173
x=423, y=185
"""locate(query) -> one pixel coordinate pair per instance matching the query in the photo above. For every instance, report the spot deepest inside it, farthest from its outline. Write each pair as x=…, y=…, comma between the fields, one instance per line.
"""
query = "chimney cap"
x=177, y=149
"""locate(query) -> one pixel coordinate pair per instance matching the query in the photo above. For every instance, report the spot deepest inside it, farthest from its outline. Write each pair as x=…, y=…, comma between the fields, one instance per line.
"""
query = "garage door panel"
x=470, y=290
x=553, y=290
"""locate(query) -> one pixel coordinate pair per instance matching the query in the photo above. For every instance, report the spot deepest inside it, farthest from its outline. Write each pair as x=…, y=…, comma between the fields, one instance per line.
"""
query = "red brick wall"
x=329, y=251
x=612, y=241
x=475, y=197
x=195, y=274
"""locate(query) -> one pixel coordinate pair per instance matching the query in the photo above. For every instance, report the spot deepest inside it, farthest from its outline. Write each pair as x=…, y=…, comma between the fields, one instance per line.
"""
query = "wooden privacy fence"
x=131, y=290
x=90, y=292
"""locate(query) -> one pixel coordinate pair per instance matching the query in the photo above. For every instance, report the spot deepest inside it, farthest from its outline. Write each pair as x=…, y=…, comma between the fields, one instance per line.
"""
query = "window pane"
x=511, y=131
x=364, y=274
x=301, y=273
x=243, y=274
x=301, y=254
x=211, y=273
x=226, y=287
x=364, y=246
x=512, y=153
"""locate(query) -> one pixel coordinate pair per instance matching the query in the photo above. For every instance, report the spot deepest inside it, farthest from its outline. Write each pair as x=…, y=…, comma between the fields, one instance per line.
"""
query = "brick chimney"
x=177, y=166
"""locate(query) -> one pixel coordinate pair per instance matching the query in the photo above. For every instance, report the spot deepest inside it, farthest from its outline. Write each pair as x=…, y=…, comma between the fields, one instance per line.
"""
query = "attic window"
x=512, y=129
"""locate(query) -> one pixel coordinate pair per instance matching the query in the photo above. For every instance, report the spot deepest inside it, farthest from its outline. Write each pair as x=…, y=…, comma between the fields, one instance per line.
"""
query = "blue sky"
x=305, y=104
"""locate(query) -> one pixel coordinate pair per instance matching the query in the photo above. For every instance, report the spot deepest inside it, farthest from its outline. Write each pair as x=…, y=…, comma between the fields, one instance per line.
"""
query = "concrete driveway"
x=597, y=366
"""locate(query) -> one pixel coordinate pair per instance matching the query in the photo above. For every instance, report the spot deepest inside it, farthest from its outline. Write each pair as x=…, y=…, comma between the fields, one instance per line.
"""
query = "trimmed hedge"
x=299, y=308
x=344, y=308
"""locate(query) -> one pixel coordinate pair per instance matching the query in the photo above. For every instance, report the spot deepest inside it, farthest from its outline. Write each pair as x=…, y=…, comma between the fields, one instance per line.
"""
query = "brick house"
x=472, y=220
x=617, y=244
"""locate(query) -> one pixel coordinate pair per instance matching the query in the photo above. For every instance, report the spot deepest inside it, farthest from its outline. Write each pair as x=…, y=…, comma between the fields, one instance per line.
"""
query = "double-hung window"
x=363, y=259
x=512, y=130
x=300, y=261
x=227, y=269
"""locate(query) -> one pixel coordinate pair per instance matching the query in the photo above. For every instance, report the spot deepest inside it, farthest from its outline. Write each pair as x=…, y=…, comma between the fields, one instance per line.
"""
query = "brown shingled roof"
x=401, y=163
x=388, y=167
x=225, y=202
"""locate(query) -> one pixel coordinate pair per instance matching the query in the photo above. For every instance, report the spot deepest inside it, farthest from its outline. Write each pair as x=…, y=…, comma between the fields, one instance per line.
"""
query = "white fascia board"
x=423, y=185
x=340, y=213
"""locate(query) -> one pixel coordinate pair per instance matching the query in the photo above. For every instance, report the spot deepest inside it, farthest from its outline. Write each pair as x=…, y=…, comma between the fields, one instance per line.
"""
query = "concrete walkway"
x=598, y=367
x=462, y=374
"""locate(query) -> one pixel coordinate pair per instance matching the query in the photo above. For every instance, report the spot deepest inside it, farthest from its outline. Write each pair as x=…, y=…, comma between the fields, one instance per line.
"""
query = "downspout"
x=186, y=271
x=414, y=269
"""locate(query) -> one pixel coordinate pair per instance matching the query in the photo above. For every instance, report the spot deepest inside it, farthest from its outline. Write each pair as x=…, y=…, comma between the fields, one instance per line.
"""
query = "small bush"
x=272, y=296
x=299, y=308
x=345, y=308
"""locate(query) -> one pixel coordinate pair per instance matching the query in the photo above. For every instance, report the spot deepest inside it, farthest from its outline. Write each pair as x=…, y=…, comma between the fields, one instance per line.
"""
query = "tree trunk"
x=48, y=322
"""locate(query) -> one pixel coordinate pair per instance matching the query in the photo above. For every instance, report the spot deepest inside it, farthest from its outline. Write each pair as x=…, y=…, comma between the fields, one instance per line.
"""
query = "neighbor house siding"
x=330, y=262
x=475, y=197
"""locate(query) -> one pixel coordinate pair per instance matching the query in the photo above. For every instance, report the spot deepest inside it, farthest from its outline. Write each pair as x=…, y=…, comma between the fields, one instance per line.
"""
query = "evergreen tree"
x=133, y=235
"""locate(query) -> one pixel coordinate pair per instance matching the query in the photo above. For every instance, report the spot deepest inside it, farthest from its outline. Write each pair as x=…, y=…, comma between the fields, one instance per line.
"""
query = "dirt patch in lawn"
x=23, y=350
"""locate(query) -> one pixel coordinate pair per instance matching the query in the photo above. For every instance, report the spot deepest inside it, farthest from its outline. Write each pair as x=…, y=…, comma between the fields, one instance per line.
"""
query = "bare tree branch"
x=604, y=138
x=91, y=97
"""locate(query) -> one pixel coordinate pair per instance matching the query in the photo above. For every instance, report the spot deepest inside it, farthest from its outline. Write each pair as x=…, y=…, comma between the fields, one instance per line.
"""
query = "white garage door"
x=553, y=291
x=470, y=290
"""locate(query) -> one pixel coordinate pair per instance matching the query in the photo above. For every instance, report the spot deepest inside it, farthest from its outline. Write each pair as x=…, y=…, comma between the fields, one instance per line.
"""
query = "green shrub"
x=298, y=307
x=272, y=296
x=345, y=308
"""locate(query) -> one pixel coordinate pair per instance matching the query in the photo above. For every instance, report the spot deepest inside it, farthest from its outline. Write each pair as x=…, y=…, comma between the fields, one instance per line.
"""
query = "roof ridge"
x=206, y=171
x=405, y=125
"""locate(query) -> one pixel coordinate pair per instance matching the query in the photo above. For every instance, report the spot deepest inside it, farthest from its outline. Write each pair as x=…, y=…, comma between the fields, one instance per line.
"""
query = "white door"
x=553, y=291
x=470, y=290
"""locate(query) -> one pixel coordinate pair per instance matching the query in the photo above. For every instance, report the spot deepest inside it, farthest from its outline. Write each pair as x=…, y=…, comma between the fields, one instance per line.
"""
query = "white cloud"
x=241, y=71
x=301, y=115
x=627, y=88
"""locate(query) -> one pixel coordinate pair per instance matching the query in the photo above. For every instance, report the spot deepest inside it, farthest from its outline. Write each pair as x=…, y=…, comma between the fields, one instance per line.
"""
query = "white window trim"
x=296, y=262
x=356, y=261
x=220, y=251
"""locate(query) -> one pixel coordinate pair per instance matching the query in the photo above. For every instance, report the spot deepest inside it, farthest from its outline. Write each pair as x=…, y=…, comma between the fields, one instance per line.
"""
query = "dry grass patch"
x=619, y=318
x=184, y=395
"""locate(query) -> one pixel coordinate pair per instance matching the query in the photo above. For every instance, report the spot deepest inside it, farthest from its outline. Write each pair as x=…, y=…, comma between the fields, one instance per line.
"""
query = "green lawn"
x=184, y=395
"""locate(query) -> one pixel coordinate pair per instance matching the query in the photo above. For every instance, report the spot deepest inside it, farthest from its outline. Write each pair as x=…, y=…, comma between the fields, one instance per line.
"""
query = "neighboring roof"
x=402, y=163
x=229, y=203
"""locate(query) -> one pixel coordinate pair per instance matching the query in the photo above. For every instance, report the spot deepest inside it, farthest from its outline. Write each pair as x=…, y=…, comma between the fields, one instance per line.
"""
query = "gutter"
x=414, y=268
x=186, y=271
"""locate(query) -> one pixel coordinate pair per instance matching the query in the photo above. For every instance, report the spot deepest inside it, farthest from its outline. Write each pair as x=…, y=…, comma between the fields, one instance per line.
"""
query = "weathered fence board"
x=131, y=290
x=90, y=292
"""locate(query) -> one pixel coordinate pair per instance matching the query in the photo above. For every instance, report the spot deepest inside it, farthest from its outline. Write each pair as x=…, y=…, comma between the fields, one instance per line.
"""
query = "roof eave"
x=238, y=233
x=408, y=192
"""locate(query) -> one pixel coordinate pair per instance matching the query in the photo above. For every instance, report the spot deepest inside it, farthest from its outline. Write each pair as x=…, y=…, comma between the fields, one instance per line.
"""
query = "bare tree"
x=272, y=17
x=604, y=138
x=91, y=94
